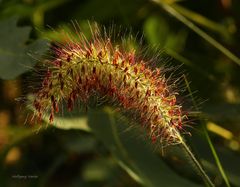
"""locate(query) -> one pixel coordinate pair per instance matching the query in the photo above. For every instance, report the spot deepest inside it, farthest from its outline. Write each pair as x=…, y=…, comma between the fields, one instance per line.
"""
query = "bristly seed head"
x=82, y=68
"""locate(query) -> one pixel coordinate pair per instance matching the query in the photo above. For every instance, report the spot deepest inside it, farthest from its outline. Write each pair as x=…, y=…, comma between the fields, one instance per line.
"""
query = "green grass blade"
x=217, y=160
x=201, y=20
x=168, y=8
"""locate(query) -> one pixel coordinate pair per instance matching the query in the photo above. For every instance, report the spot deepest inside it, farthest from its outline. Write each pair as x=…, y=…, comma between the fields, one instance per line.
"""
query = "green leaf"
x=75, y=119
x=132, y=153
x=15, y=56
x=65, y=120
x=157, y=32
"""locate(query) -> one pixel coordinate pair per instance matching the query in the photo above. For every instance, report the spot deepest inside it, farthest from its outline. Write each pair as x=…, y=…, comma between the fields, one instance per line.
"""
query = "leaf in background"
x=156, y=29
x=14, y=52
x=66, y=123
x=75, y=119
x=132, y=153
x=100, y=169
x=157, y=32
x=65, y=120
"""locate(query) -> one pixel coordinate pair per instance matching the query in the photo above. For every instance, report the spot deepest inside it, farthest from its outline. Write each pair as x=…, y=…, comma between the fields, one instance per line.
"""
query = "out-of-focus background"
x=201, y=36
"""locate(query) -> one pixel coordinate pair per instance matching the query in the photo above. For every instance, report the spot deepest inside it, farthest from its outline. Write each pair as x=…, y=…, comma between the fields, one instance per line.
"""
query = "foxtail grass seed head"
x=79, y=69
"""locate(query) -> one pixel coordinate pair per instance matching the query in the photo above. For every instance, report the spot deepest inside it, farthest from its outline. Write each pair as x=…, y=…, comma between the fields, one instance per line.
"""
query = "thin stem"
x=168, y=8
x=217, y=160
x=216, y=157
x=201, y=20
x=197, y=164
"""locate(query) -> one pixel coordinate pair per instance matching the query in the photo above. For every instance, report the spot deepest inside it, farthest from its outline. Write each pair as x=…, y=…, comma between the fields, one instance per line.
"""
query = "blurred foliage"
x=15, y=54
x=94, y=148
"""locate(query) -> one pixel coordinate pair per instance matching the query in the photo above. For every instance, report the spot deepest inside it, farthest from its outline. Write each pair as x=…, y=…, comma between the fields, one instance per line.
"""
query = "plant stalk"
x=202, y=173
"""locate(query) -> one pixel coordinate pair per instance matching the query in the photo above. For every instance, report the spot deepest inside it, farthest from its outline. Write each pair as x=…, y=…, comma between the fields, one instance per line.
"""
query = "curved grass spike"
x=81, y=68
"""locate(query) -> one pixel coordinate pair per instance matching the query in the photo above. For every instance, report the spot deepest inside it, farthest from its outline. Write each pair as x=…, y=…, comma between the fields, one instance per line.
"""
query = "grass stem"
x=197, y=164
